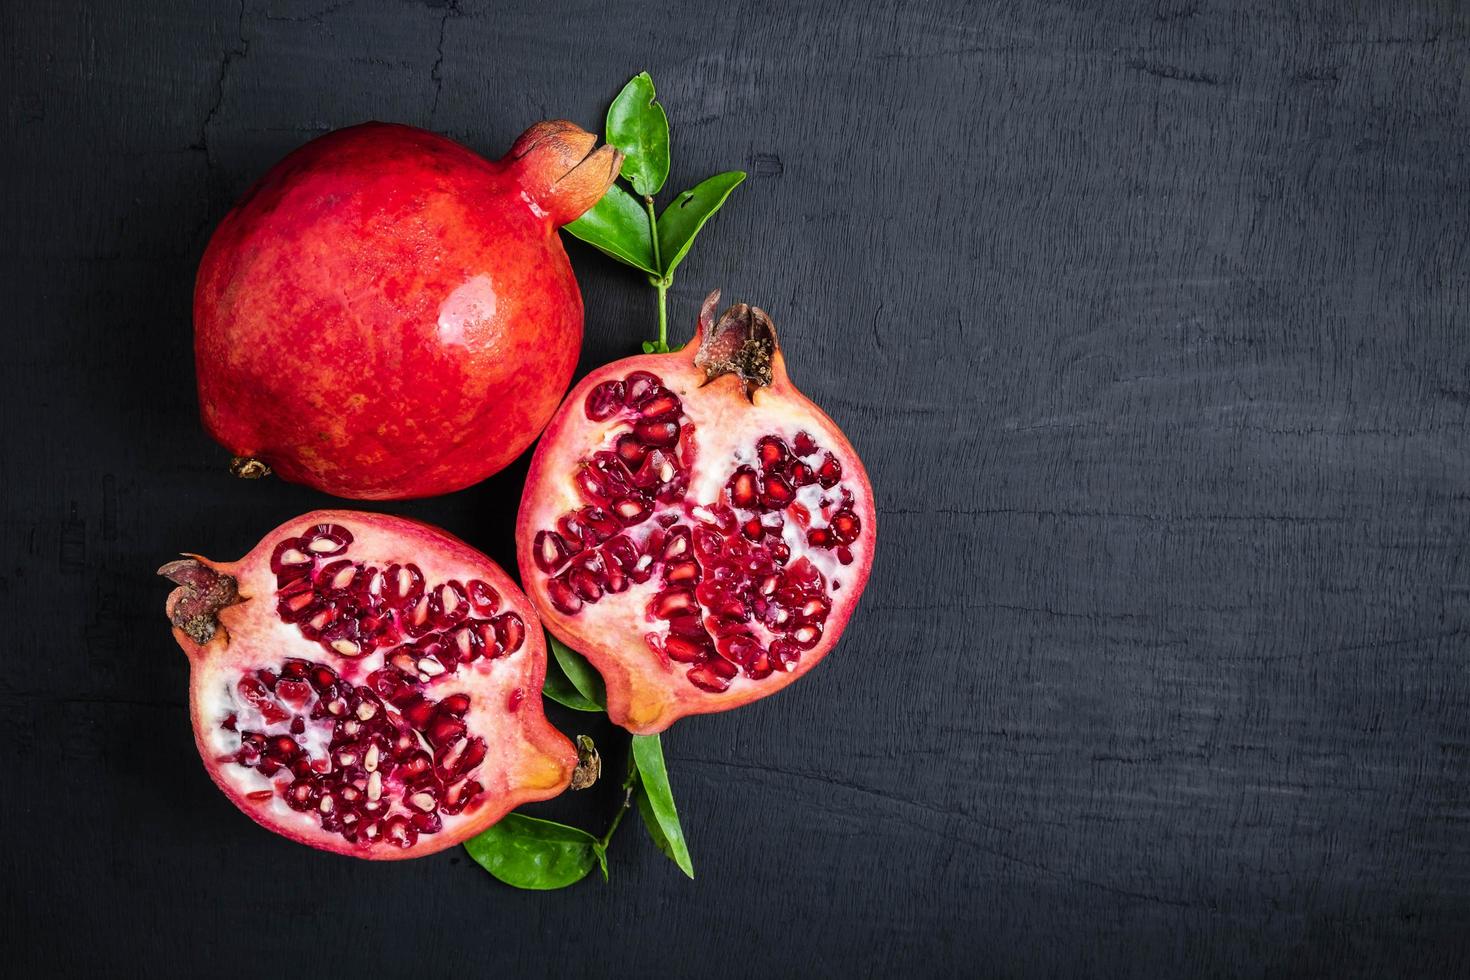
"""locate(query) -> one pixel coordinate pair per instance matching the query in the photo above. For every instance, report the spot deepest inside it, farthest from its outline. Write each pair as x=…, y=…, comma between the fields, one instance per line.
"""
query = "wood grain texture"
x=1150, y=321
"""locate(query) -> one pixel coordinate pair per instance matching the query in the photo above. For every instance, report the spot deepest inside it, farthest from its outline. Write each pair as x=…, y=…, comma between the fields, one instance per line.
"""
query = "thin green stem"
x=662, y=280
x=628, y=785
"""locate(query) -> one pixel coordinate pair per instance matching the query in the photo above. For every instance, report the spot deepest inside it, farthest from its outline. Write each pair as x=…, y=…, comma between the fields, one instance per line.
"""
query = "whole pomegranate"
x=388, y=315
x=696, y=526
x=367, y=685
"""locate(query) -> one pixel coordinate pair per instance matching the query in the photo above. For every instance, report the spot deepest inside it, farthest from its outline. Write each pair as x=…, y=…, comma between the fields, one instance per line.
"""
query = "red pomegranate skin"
x=388, y=315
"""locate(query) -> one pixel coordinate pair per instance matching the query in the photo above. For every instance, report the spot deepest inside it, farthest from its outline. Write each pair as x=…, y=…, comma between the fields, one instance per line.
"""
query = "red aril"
x=388, y=315
x=367, y=685
x=696, y=526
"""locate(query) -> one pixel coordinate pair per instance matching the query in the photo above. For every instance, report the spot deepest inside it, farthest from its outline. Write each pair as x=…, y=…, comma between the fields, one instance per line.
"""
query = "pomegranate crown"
x=559, y=169
x=741, y=342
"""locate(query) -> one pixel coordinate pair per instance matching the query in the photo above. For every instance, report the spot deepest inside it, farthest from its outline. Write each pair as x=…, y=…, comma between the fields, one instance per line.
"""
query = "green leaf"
x=601, y=850
x=584, y=676
x=618, y=226
x=656, y=802
x=688, y=212
x=534, y=854
x=637, y=125
x=560, y=688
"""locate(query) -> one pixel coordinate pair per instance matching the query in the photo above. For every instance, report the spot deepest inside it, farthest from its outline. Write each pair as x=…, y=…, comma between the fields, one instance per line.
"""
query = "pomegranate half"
x=367, y=685
x=695, y=526
x=387, y=314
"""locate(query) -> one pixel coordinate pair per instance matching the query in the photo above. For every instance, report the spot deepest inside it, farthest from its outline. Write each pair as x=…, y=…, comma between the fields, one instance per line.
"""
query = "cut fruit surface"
x=695, y=526
x=360, y=683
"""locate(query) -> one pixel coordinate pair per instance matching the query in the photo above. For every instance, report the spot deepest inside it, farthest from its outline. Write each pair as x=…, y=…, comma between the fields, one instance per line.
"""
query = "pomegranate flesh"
x=695, y=526
x=367, y=685
x=387, y=314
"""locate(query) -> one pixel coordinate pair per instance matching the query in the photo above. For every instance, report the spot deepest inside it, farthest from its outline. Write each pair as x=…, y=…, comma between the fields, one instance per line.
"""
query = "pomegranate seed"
x=778, y=493
x=326, y=540
x=604, y=401
x=639, y=387
x=657, y=470
x=681, y=573
x=630, y=450
x=829, y=472
x=290, y=556
x=402, y=585
x=586, y=583
x=259, y=796
x=516, y=697
x=398, y=832
x=293, y=692
x=806, y=637
x=298, y=795
x=742, y=649
x=445, y=730
x=845, y=526
x=844, y=555
x=253, y=691
x=804, y=444
x=282, y=747
x=677, y=544
x=474, y=754
x=687, y=651
x=665, y=402
x=510, y=632
x=550, y=551
x=563, y=596
x=713, y=675
x=633, y=510
x=455, y=704
x=658, y=434
x=298, y=726
x=418, y=712
x=772, y=452
x=229, y=723
x=483, y=596
x=744, y=488
x=620, y=553
x=599, y=523
x=672, y=602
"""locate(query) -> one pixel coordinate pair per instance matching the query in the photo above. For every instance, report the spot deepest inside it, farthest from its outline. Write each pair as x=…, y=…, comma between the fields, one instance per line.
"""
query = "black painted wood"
x=1150, y=321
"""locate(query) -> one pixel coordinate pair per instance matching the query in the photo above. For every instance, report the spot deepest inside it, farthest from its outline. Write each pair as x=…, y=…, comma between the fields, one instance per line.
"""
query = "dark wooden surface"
x=1150, y=321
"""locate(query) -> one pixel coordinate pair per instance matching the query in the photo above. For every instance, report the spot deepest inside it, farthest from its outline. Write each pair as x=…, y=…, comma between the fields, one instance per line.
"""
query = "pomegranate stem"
x=661, y=281
x=629, y=784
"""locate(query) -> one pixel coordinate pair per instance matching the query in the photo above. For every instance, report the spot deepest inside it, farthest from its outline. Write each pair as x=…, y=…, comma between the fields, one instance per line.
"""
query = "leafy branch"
x=529, y=852
x=638, y=235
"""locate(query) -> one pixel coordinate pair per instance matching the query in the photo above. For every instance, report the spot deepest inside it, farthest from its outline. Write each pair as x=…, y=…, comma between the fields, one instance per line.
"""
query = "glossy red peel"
x=387, y=314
